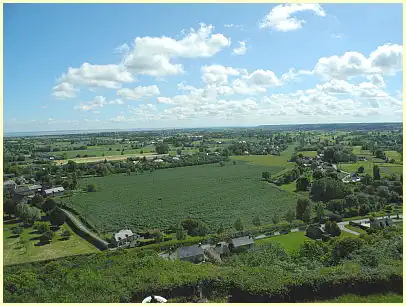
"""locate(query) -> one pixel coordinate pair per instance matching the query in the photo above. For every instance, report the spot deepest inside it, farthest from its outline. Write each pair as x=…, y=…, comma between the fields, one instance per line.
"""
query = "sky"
x=124, y=66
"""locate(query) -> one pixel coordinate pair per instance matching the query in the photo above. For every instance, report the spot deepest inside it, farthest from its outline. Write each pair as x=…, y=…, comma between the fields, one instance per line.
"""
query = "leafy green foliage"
x=214, y=195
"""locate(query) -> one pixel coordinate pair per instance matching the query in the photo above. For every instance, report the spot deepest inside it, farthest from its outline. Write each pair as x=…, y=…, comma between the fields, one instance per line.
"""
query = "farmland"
x=210, y=193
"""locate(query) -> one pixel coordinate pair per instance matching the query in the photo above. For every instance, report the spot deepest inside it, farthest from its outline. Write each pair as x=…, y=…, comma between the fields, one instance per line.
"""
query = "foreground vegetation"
x=317, y=271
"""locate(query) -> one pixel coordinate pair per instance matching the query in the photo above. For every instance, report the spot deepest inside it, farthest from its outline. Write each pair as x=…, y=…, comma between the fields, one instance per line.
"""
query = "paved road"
x=81, y=226
x=341, y=225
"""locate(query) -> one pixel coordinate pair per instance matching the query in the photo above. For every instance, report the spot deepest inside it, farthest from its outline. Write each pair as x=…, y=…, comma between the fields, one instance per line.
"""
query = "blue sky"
x=90, y=66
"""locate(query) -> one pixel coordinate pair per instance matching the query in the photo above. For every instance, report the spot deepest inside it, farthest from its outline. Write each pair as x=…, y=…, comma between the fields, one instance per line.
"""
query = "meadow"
x=213, y=194
x=15, y=253
x=290, y=242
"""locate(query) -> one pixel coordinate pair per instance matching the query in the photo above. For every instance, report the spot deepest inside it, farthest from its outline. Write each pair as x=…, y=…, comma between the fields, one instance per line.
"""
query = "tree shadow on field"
x=13, y=236
x=11, y=221
x=34, y=238
x=41, y=243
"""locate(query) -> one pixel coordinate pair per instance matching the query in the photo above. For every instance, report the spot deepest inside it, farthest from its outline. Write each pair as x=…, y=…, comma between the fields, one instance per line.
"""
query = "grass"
x=216, y=195
x=102, y=158
x=394, y=154
x=290, y=242
x=13, y=254
x=358, y=151
x=385, y=168
x=355, y=229
x=389, y=297
x=308, y=153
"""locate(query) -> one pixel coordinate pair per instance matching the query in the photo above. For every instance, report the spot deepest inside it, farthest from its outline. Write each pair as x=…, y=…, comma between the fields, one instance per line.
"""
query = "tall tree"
x=377, y=175
x=256, y=221
x=302, y=205
x=180, y=232
x=238, y=225
x=290, y=216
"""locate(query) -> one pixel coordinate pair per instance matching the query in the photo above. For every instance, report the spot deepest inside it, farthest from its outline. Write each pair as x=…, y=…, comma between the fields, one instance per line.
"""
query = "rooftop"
x=190, y=251
x=240, y=241
x=123, y=234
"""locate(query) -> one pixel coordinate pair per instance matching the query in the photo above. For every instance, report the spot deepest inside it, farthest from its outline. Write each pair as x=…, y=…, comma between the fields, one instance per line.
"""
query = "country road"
x=341, y=225
x=82, y=227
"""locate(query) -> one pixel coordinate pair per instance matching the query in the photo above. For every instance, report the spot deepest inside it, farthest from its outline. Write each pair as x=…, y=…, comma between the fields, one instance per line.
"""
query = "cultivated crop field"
x=211, y=193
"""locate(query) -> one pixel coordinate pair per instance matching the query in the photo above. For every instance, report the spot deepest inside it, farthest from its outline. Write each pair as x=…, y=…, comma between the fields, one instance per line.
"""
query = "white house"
x=124, y=238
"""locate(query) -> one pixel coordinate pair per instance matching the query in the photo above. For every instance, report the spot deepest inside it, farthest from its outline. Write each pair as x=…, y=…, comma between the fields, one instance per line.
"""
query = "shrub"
x=66, y=234
x=91, y=188
x=42, y=227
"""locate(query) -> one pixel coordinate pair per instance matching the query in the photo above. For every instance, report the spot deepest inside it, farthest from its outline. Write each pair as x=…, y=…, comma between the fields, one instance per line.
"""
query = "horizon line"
x=89, y=131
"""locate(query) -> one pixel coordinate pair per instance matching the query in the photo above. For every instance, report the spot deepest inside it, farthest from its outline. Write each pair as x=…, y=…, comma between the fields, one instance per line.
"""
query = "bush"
x=66, y=234
x=91, y=188
x=42, y=227
x=47, y=236
x=17, y=230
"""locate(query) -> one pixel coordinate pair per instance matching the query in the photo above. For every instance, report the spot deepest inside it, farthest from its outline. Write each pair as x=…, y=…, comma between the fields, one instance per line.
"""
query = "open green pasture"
x=290, y=242
x=31, y=250
x=211, y=193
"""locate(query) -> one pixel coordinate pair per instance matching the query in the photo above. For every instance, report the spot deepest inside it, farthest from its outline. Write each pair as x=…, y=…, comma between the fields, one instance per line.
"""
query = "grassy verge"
x=355, y=229
x=389, y=297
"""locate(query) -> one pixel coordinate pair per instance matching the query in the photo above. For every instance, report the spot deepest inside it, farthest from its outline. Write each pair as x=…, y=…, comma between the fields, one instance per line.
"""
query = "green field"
x=211, y=193
x=13, y=254
x=308, y=153
x=374, y=298
x=290, y=242
x=395, y=155
x=385, y=168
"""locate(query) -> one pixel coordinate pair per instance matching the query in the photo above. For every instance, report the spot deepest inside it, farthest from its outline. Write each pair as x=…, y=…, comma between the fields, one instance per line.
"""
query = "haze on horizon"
x=209, y=65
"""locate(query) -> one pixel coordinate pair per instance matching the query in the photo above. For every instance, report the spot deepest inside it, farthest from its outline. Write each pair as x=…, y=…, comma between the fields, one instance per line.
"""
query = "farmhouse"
x=57, y=191
x=222, y=248
x=314, y=232
x=381, y=223
x=193, y=253
x=27, y=190
x=9, y=185
x=124, y=238
x=241, y=243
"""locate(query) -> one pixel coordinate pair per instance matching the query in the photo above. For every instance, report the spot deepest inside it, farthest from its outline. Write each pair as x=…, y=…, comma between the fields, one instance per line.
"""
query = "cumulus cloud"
x=138, y=92
x=263, y=78
x=97, y=102
x=242, y=49
x=154, y=55
x=107, y=76
x=64, y=90
x=217, y=74
x=280, y=17
x=385, y=60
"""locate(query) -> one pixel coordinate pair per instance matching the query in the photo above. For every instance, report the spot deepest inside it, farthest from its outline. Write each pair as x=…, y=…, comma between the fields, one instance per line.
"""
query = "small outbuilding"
x=241, y=243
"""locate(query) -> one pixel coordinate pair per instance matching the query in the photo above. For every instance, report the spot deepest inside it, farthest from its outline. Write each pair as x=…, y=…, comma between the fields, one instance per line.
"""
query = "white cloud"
x=64, y=91
x=217, y=74
x=385, y=60
x=122, y=49
x=138, y=92
x=97, y=102
x=292, y=75
x=236, y=26
x=263, y=78
x=154, y=55
x=107, y=76
x=241, y=50
x=280, y=17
